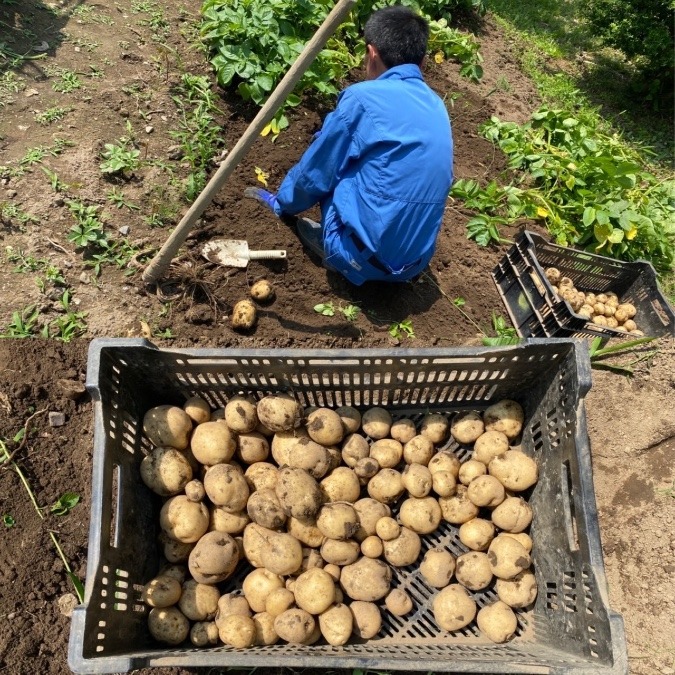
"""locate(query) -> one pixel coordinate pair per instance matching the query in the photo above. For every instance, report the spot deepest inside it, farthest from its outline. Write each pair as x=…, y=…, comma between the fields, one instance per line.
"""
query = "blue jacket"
x=381, y=170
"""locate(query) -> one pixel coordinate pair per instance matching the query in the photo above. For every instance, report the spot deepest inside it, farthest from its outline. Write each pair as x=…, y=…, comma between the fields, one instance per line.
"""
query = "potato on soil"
x=264, y=508
x=387, y=452
x=280, y=412
x=467, y=427
x=366, y=579
x=168, y=625
x=444, y=461
x=514, y=470
x=506, y=416
x=420, y=515
x=166, y=471
x=458, y=508
x=258, y=585
x=376, y=423
x=367, y=619
x=341, y=485
x=418, y=450
x=197, y=409
x=403, y=430
x=351, y=418
x=204, y=633
x=265, y=633
x=226, y=487
x=417, y=480
x=241, y=415
x=453, y=608
x=278, y=601
x=489, y=445
x=199, y=602
x=507, y=557
x=324, y=426
x=237, y=631
x=311, y=456
x=444, y=483
x=514, y=514
x=244, y=315
x=163, y=591
x=404, y=550
x=183, y=520
x=473, y=570
x=521, y=591
x=486, y=491
x=437, y=567
x=497, y=622
x=477, y=534
x=213, y=443
x=471, y=469
x=369, y=512
x=338, y=520
x=167, y=425
x=386, y=486
x=340, y=552
x=299, y=494
x=398, y=602
x=354, y=448
x=314, y=591
x=214, y=558
x=262, y=291
x=295, y=626
x=435, y=427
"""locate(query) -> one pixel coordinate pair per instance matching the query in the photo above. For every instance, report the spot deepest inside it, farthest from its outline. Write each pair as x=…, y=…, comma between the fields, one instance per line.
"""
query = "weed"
x=9, y=84
x=350, y=312
x=166, y=334
x=24, y=262
x=56, y=184
x=34, y=156
x=88, y=229
x=505, y=334
x=667, y=492
x=8, y=520
x=459, y=302
x=119, y=200
x=10, y=212
x=96, y=72
x=402, y=329
x=64, y=503
x=118, y=253
x=325, y=309
x=87, y=14
x=23, y=323
x=51, y=115
x=120, y=157
x=68, y=81
x=597, y=353
x=68, y=326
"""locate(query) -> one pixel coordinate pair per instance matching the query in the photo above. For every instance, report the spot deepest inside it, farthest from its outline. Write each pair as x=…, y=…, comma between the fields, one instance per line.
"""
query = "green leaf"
x=615, y=236
x=65, y=502
x=8, y=520
x=501, y=341
x=602, y=217
x=79, y=587
x=589, y=216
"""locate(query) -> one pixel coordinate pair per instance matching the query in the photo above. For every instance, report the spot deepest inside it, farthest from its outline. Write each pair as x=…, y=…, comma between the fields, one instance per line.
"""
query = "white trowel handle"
x=266, y=255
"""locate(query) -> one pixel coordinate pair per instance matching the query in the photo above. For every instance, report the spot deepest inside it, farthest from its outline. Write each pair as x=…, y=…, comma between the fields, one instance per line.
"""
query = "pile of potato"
x=323, y=503
x=603, y=309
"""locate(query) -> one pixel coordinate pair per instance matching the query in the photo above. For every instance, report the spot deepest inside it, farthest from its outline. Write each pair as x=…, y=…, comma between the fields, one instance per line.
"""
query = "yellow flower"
x=262, y=175
x=438, y=57
x=542, y=212
x=632, y=233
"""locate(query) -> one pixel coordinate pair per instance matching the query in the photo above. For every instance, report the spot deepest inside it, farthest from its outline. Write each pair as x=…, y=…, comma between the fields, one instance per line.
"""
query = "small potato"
x=231, y=523
x=637, y=332
x=467, y=427
x=365, y=469
x=168, y=625
x=387, y=452
x=437, y=567
x=387, y=529
x=230, y=604
x=489, y=445
x=403, y=430
x=226, y=487
x=299, y=494
x=398, y=602
x=341, y=485
x=314, y=591
x=351, y=418
x=506, y=416
x=258, y=585
x=566, y=282
x=265, y=633
x=305, y=532
x=214, y=558
x=444, y=483
x=600, y=320
x=522, y=538
x=264, y=508
x=241, y=415
x=337, y=520
x=591, y=299
x=486, y=491
x=444, y=461
x=183, y=520
x=340, y=553
x=261, y=475
x=163, y=591
x=278, y=601
x=471, y=469
x=376, y=423
x=473, y=570
x=279, y=412
x=435, y=427
x=628, y=308
x=244, y=316
x=334, y=571
x=366, y=579
x=197, y=409
x=497, y=621
x=204, y=633
x=177, y=572
x=336, y=624
x=237, y=631
x=404, y=550
x=369, y=512
x=609, y=311
x=453, y=608
x=175, y=551
x=420, y=515
x=354, y=448
x=295, y=626
x=477, y=534
x=417, y=480
x=372, y=547
x=585, y=311
x=601, y=297
x=168, y=425
x=386, y=486
x=553, y=275
x=199, y=602
x=418, y=450
x=519, y=592
x=213, y=443
x=166, y=471
x=514, y=514
x=630, y=325
x=252, y=447
x=621, y=315
x=514, y=470
x=458, y=508
x=194, y=491
x=507, y=557
x=262, y=291
x=367, y=619
x=324, y=426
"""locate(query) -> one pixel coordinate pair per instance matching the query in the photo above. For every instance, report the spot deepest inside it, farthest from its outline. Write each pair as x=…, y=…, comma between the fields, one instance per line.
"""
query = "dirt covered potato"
x=387, y=452
x=168, y=425
x=354, y=448
x=471, y=469
x=453, y=608
x=279, y=412
x=386, y=486
x=314, y=590
x=418, y=450
x=252, y=447
x=351, y=418
x=241, y=415
x=417, y=480
x=507, y=557
x=262, y=291
x=278, y=601
x=311, y=456
x=376, y=423
x=341, y=485
x=435, y=427
x=213, y=443
x=166, y=471
x=444, y=483
x=305, y=532
x=199, y=602
x=204, y=633
x=214, y=558
x=458, y=508
x=298, y=493
x=244, y=315
x=514, y=470
x=506, y=416
x=420, y=515
x=444, y=461
x=295, y=626
x=367, y=579
x=168, y=625
x=324, y=426
x=473, y=570
x=258, y=586
x=341, y=553
x=521, y=591
x=237, y=631
x=437, y=567
x=485, y=491
x=404, y=550
x=369, y=512
x=467, y=427
x=489, y=445
x=183, y=520
x=514, y=514
x=163, y=591
x=264, y=508
x=497, y=621
x=403, y=430
x=226, y=487
x=338, y=520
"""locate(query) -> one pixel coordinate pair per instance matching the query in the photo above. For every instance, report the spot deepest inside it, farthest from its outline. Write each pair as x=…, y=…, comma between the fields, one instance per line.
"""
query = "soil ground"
x=141, y=49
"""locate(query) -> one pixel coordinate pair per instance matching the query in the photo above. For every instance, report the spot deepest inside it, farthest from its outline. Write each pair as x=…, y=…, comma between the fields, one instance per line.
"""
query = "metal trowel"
x=235, y=253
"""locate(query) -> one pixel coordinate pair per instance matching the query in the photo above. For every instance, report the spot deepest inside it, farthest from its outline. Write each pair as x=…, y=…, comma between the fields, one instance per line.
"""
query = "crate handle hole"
x=114, y=508
x=568, y=506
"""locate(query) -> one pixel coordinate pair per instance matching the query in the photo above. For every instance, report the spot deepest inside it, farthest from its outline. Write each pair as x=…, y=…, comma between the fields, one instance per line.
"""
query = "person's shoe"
x=310, y=233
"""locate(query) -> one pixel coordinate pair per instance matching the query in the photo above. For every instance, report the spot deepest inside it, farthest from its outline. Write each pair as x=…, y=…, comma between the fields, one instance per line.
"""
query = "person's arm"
x=317, y=173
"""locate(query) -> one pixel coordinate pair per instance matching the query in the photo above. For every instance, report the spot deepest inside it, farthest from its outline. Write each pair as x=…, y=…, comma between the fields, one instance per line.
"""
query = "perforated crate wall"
x=570, y=629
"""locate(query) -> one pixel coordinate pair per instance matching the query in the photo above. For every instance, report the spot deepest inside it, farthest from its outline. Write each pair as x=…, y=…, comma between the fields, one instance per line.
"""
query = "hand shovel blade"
x=235, y=253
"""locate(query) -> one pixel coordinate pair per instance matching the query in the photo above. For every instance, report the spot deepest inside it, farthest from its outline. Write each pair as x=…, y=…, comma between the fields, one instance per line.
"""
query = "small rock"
x=42, y=47
x=58, y=201
x=667, y=671
x=163, y=118
x=56, y=419
x=67, y=603
x=11, y=616
x=84, y=278
x=76, y=302
x=175, y=152
x=31, y=92
x=149, y=129
x=71, y=389
x=124, y=230
x=23, y=127
x=78, y=49
x=11, y=193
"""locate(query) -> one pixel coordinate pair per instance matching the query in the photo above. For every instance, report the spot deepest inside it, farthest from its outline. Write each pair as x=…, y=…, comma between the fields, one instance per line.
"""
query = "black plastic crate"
x=571, y=628
x=535, y=309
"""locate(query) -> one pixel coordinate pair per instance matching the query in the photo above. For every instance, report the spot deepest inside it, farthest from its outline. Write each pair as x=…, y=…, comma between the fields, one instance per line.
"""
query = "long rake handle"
x=160, y=263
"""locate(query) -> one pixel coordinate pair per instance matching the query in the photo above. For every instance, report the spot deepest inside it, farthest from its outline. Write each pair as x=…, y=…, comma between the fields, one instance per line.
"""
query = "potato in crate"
x=529, y=400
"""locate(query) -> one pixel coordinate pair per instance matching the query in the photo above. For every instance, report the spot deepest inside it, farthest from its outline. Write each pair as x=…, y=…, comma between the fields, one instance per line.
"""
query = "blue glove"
x=316, y=135
x=267, y=199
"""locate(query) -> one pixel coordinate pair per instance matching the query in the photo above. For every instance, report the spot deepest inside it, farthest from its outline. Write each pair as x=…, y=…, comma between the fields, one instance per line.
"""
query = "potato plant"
x=323, y=505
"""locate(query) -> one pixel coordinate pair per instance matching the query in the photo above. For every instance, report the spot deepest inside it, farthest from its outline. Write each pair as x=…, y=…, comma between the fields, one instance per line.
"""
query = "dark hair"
x=399, y=34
